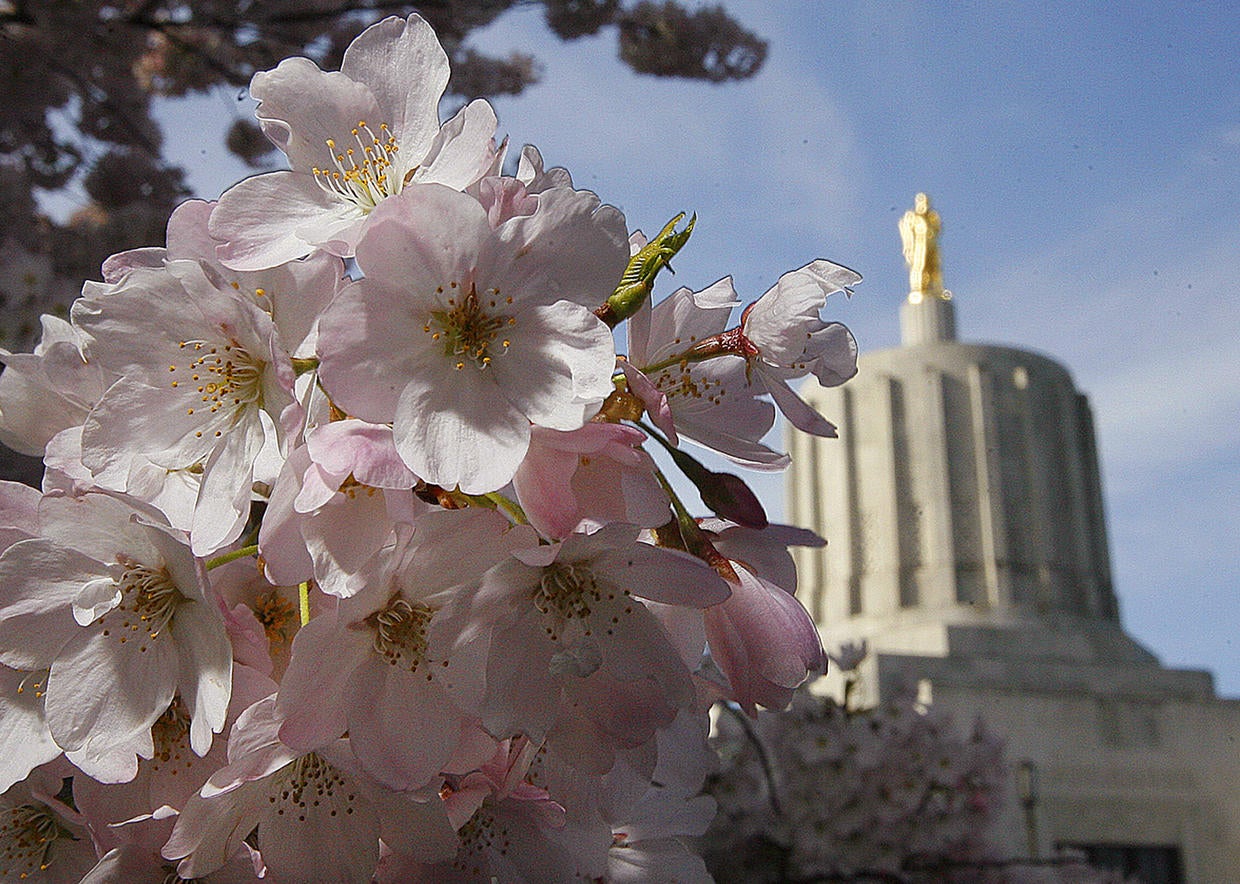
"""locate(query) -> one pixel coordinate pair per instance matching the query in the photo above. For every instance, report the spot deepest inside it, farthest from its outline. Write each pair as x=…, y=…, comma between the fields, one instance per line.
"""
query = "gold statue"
x=919, y=231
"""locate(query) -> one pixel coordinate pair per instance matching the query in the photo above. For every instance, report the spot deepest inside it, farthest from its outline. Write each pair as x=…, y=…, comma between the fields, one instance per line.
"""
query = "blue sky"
x=1085, y=159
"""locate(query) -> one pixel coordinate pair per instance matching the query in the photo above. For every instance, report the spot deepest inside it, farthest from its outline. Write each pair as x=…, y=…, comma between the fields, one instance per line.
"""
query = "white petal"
x=406, y=70
x=456, y=428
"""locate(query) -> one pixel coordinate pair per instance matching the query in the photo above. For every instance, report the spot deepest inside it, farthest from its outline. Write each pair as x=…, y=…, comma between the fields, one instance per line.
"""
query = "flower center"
x=170, y=734
x=470, y=326
x=149, y=601
x=311, y=785
x=567, y=591
x=28, y=833
x=680, y=382
x=362, y=175
x=400, y=632
x=225, y=376
x=480, y=834
x=278, y=617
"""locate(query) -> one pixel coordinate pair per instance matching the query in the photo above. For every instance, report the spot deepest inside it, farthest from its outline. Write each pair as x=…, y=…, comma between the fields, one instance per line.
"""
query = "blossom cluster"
x=832, y=791
x=350, y=562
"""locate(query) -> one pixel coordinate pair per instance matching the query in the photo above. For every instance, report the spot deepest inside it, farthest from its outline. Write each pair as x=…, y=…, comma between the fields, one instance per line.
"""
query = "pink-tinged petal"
x=279, y=539
x=33, y=408
x=364, y=351
x=318, y=487
x=406, y=69
x=505, y=198
x=835, y=354
x=303, y=107
x=224, y=498
x=798, y=412
x=740, y=450
x=715, y=405
x=540, y=556
x=422, y=239
x=188, y=231
x=129, y=410
x=314, y=696
x=402, y=726
x=455, y=546
x=97, y=597
x=467, y=434
x=653, y=399
x=627, y=714
x=335, y=839
x=254, y=749
x=558, y=369
x=115, y=760
x=298, y=292
x=415, y=828
x=257, y=221
x=572, y=248
x=463, y=150
x=765, y=642
x=653, y=858
x=98, y=525
x=342, y=538
x=115, y=267
x=209, y=831
x=365, y=450
x=522, y=693
x=685, y=317
x=39, y=581
x=101, y=690
x=765, y=552
x=638, y=650
x=794, y=302
x=532, y=172
x=663, y=575
x=543, y=484
x=684, y=630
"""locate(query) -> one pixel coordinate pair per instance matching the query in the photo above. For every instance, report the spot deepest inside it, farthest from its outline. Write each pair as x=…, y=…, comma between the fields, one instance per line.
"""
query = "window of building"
x=1149, y=864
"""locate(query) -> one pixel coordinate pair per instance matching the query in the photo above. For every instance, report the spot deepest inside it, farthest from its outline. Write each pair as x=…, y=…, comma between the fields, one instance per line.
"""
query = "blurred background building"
x=967, y=544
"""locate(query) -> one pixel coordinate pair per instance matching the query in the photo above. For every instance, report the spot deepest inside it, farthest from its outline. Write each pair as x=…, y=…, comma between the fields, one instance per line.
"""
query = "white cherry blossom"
x=114, y=605
x=202, y=382
x=353, y=138
x=462, y=335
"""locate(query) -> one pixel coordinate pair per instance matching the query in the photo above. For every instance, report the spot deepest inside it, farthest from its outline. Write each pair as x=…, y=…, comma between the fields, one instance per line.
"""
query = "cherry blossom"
x=353, y=138
x=314, y=814
x=335, y=504
x=119, y=611
x=385, y=669
x=47, y=391
x=462, y=335
x=791, y=341
x=711, y=402
x=41, y=837
x=567, y=626
x=598, y=472
x=202, y=382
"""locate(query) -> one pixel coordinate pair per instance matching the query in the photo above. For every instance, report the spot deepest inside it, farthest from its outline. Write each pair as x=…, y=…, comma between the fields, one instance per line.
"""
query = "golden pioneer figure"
x=919, y=230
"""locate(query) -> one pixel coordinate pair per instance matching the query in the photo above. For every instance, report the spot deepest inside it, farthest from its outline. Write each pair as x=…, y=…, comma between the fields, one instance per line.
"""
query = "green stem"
x=511, y=507
x=227, y=557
